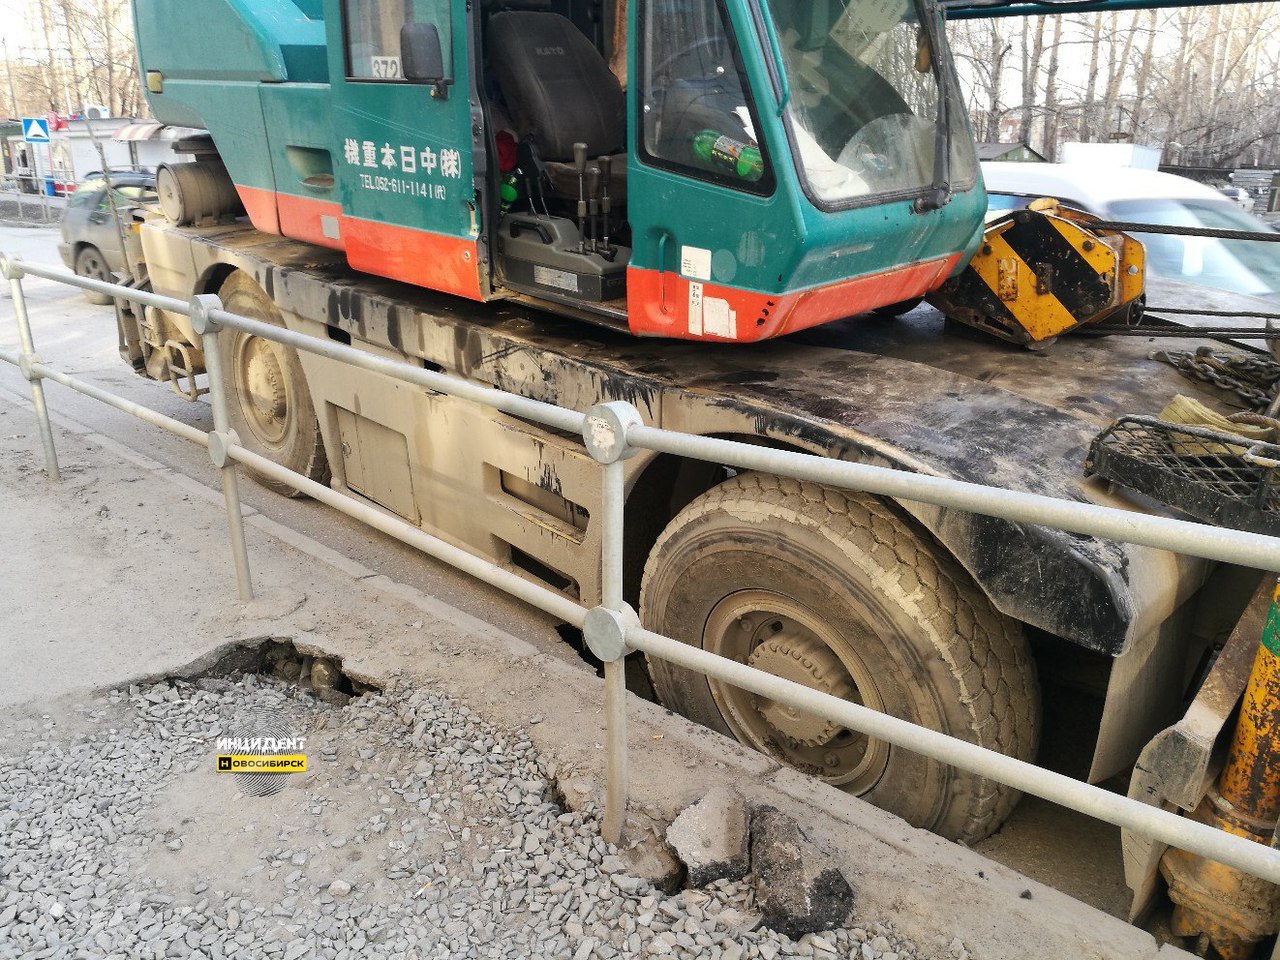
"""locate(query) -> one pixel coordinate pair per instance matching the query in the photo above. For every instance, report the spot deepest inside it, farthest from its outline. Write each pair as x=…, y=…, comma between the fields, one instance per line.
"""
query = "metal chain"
x=1181, y=332
x=1216, y=233
x=1213, y=313
x=1252, y=378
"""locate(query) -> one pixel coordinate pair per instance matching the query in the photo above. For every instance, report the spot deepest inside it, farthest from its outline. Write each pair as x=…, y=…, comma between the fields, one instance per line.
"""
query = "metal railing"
x=611, y=432
x=33, y=207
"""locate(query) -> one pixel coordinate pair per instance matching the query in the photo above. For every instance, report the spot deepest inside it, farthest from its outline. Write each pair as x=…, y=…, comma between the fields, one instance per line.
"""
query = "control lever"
x=580, y=165
x=593, y=204
x=606, y=205
x=531, y=167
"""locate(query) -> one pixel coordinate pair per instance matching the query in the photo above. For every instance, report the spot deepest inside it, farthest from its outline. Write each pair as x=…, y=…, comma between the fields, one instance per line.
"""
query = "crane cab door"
x=702, y=181
x=404, y=163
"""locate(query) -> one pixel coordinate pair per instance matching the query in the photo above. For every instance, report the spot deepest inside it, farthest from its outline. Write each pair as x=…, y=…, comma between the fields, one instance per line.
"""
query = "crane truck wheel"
x=268, y=401
x=835, y=591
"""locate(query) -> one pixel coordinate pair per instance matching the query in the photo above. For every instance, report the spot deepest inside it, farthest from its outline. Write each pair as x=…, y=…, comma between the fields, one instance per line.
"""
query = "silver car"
x=92, y=245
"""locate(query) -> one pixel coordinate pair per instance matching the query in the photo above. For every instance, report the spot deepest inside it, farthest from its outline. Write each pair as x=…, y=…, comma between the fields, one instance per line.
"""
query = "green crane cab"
x=747, y=168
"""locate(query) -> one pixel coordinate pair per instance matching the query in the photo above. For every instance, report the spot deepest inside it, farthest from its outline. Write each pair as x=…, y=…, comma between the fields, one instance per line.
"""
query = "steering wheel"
x=714, y=44
x=895, y=136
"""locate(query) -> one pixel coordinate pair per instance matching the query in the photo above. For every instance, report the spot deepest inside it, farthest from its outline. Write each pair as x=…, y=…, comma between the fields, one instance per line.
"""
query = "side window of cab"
x=696, y=112
x=376, y=37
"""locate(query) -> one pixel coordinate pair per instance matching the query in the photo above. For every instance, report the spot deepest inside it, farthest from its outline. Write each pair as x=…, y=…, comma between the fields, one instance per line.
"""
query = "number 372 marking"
x=386, y=68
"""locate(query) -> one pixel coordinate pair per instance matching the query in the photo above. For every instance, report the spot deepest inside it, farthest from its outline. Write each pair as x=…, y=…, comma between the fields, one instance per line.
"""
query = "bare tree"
x=1032, y=50
x=1051, y=119
x=1085, y=130
x=1217, y=96
x=1144, y=76
x=1203, y=82
x=86, y=57
x=1119, y=49
x=982, y=49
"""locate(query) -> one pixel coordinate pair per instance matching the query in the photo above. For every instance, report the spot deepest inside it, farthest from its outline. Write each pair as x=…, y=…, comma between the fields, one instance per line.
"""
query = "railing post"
x=12, y=269
x=605, y=434
x=222, y=436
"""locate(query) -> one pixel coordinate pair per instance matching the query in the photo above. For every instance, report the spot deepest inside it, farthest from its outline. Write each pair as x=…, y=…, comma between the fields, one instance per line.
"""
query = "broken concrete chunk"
x=710, y=837
x=798, y=891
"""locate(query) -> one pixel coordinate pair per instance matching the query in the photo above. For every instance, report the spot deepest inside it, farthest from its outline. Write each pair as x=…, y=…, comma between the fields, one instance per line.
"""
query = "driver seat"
x=559, y=91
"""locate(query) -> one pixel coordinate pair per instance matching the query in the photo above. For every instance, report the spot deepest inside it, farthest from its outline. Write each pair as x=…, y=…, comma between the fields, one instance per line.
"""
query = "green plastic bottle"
x=730, y=155
x=509, y=190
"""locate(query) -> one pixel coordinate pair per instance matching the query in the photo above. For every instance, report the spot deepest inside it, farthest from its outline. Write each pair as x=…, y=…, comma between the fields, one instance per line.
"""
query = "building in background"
x=1019, y=152
x=71, y=154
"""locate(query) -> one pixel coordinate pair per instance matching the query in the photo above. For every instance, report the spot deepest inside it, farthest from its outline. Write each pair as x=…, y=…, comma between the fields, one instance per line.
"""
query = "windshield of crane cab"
x=864, y=98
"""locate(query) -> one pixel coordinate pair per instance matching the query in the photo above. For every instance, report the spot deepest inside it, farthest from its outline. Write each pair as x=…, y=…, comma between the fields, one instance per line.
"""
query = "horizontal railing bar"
x=548, y=413
x=146, y=414
x=1182, y=832
x=556, y=604
x=1254, y=550
x=102, y=286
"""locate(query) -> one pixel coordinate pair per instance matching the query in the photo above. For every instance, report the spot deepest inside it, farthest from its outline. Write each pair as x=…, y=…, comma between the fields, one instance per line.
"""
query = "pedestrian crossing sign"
x=35, y=129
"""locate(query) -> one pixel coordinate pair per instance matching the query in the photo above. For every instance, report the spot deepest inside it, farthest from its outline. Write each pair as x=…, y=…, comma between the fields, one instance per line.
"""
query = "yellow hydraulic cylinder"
x=1222, y=907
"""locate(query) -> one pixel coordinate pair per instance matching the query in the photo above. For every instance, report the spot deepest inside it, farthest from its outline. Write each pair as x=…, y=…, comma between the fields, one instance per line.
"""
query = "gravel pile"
x=422, y=831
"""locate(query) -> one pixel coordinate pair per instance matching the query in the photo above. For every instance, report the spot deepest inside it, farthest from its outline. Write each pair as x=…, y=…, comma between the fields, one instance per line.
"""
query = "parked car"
x=1239, y=267
x=91, y=245
x=1240, y=195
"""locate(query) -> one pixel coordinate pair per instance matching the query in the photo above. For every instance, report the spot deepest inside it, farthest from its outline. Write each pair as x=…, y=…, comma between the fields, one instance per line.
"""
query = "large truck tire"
x=268, y=401
x=835, y=590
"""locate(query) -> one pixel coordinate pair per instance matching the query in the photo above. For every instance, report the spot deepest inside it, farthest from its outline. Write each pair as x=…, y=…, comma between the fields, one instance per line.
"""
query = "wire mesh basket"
x=1219, y=478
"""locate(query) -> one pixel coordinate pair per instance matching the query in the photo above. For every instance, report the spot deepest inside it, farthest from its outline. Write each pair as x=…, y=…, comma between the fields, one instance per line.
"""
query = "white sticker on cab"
x=718, y=319
x=695, y=262
x=695, y=309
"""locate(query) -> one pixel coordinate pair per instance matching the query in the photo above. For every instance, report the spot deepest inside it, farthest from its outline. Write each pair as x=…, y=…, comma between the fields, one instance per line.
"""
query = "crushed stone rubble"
x=466, y=851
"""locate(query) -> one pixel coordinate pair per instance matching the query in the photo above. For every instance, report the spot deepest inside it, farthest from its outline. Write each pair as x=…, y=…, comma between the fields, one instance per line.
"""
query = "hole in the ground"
x=638, y=681
x=320, y=675
x=574, y=638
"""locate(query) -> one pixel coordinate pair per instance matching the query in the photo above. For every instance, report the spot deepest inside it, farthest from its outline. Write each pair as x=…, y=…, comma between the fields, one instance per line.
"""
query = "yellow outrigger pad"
x=1042, y=271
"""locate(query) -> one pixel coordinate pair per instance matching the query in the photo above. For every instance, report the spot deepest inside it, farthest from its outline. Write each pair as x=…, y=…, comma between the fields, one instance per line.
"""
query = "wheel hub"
x=777, y=634
x=793, y=655
x=262, y=375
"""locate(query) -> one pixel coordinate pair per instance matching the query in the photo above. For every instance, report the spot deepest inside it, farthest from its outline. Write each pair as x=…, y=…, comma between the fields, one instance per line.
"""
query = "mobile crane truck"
x=471, y=180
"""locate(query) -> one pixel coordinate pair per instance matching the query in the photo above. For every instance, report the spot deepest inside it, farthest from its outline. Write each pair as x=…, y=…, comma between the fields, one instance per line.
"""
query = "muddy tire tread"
x=984, y=651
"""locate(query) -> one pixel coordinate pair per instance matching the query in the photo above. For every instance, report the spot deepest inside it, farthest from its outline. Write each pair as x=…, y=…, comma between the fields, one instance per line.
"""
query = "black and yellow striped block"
x=1043, y=271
